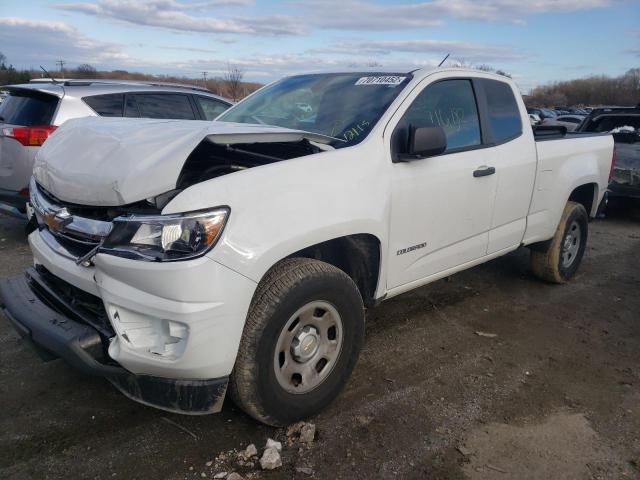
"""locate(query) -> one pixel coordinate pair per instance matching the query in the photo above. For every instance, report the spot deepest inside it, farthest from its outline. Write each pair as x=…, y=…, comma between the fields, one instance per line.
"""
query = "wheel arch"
x=358, y=255
x=586, y=195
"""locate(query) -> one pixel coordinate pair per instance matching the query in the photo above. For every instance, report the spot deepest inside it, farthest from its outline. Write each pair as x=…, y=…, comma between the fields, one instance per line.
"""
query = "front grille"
x=67, y=232
x=75, y=230
x=69, y=300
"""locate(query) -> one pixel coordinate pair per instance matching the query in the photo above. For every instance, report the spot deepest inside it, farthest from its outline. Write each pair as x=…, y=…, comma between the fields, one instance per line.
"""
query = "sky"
x=536, y=41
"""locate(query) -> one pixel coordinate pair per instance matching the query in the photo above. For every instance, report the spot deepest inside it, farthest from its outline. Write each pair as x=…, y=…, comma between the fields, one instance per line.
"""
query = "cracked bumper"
x=56, y=330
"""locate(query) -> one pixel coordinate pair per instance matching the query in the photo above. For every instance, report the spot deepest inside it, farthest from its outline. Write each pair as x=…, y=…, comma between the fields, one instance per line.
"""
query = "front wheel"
x=302, y=338
x=560, y=260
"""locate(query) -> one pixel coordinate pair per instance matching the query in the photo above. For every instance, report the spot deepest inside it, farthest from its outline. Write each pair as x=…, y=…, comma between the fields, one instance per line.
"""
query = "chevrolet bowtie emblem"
x=57, y=220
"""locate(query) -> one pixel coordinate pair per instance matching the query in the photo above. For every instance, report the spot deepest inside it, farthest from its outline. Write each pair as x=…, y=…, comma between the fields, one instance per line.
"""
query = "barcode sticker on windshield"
x=382, y=80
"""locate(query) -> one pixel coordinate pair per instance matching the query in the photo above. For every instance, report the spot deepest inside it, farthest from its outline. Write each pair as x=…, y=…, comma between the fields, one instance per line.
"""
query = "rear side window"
x=165, y=105
x=449, y=104
x=210, y=107
x=110, y=105
x=28, y=108
x=502, y=111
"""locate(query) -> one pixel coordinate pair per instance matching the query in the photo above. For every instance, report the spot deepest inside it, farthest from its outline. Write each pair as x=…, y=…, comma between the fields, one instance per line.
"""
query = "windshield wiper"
x=341, y=140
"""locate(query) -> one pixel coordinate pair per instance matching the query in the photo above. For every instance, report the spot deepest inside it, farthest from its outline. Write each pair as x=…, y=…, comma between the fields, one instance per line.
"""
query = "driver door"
x=441, y=206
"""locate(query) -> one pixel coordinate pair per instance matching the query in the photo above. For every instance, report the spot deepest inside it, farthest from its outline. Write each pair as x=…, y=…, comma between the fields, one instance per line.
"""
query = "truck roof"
x=417, y=73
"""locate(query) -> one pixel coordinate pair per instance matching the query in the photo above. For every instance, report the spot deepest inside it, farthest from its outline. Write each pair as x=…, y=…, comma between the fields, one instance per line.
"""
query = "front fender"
x=280, y=208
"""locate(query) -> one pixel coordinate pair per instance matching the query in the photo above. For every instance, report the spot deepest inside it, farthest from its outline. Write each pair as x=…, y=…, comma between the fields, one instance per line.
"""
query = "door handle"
x=484, y=171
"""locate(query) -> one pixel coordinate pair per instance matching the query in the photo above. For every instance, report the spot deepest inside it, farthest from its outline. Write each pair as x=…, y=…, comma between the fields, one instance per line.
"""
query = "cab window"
x=502, y=111
x=449, y=104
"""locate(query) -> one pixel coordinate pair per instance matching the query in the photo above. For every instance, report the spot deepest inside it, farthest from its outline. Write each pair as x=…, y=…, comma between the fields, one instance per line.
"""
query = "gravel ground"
x=554, y=394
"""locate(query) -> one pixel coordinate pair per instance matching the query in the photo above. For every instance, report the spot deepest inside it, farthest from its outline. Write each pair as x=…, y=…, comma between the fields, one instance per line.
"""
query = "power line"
x=61, y=64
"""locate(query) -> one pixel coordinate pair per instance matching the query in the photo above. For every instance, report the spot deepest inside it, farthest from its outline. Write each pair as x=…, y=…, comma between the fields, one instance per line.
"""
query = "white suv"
x=31, y=112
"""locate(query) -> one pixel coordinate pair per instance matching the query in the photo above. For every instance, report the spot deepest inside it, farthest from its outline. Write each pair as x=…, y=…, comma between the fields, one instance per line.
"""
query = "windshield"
x=344, y=106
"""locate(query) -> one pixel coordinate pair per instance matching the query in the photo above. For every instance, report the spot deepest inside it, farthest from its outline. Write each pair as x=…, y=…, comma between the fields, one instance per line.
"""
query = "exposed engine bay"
x=210, y=160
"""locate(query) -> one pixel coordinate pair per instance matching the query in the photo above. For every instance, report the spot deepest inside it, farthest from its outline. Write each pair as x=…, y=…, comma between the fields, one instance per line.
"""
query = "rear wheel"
x=302, y=338
x=560, y=260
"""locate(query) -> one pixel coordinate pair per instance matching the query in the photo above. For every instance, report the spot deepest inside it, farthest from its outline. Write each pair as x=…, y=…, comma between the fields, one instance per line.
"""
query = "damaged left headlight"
x=165, y=238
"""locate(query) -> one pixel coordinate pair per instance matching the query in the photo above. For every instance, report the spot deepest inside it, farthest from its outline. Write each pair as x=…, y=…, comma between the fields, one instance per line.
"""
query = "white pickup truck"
x=180, y=259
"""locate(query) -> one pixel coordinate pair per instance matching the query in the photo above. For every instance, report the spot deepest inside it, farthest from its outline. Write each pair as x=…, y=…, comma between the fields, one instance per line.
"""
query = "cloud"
x=369, y=15
x=267, y=68
x=189, y=49
x=325, y=14
x=472, y=52
x=26, y=40
x=632, y=51
x=174, y=15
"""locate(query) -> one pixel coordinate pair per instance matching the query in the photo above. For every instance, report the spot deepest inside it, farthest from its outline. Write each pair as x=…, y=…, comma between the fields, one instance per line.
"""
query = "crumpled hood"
x=116, y=161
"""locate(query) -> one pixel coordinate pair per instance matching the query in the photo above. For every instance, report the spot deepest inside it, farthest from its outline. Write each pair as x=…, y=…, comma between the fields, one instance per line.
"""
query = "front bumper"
x=150, y=303
x=59, y=329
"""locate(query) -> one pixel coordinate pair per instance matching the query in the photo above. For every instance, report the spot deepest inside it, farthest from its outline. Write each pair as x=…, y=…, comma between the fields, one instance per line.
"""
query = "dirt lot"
x=555, y=394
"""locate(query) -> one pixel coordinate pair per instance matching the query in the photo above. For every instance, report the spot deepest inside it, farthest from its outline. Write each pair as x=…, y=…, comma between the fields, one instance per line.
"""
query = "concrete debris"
x=304, y=470
x=273, y=444
x=270, y=459
x=220, y=475
x=235, y=476
x=487, y=335
x=303, y=431
x=247, y=453
x=307, y=433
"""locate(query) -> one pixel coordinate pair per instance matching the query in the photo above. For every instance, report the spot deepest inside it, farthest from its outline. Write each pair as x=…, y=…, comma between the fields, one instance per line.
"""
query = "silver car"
x=31, y=112
x=570, y=121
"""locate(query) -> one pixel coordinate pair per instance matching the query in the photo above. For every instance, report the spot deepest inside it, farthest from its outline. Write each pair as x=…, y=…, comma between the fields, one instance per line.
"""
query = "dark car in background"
x=31, y=112
x=624, y=124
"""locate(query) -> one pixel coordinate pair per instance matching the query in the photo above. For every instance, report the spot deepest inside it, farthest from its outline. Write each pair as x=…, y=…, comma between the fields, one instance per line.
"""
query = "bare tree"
x=593, y=91
x=233, y=81
x=85, y=71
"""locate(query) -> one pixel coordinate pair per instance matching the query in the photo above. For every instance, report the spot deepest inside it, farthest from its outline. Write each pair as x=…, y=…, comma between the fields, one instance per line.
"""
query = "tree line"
x=230, y=84
x=601, y=90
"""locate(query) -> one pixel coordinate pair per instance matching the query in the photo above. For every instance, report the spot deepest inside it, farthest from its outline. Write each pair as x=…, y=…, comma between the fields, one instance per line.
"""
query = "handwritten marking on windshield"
x=355, y=132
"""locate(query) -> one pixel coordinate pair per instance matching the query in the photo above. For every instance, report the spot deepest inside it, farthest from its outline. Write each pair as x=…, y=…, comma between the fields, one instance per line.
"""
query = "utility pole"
x=204, y=79
x=61, y=64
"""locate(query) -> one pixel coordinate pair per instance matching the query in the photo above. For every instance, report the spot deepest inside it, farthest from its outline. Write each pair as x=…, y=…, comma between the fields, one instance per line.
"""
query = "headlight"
x=165, y=238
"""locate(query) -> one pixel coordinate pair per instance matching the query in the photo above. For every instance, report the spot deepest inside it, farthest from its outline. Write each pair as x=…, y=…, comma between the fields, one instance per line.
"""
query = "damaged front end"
x=125, y=321
x=62, y=321
x=125, y=163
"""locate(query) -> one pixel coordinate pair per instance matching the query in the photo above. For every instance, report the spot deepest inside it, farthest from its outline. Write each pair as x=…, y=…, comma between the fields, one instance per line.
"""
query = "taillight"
x=613, y=163
x=29, y=136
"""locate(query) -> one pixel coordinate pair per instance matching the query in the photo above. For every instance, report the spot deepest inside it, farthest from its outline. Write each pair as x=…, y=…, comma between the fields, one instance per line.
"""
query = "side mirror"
x=422, y=142
x=427, y=141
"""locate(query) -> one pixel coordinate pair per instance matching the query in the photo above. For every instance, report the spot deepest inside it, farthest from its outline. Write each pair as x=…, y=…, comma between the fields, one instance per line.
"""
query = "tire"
x=560, y=260
x=261, y=382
